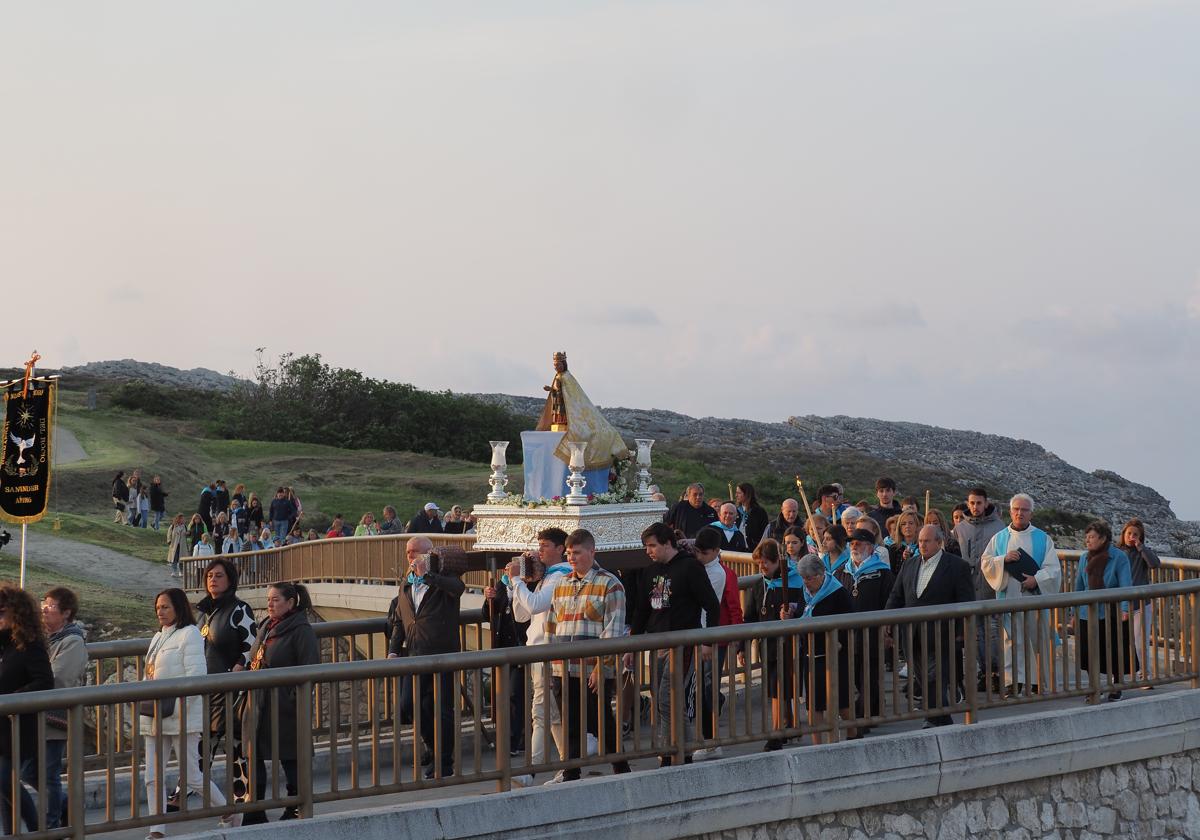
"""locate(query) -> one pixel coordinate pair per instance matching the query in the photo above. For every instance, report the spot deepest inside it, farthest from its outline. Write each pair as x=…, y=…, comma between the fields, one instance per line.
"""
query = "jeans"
x=144, y=519
x=158, y=518
x=280, y=527
x=544, y=715
x=1142, y=622
x=28, y=811
x=987, y=633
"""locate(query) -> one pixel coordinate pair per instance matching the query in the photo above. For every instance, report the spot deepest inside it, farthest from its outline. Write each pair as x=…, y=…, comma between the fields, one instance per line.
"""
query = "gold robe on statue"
x=584, y=423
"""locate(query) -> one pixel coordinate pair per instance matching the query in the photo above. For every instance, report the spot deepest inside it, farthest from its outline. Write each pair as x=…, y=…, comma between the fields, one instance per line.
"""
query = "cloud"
x=1193, y=302
x=627, y=316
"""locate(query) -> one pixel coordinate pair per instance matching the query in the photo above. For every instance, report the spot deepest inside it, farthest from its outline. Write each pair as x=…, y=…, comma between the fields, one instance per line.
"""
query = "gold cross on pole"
x=29, y=366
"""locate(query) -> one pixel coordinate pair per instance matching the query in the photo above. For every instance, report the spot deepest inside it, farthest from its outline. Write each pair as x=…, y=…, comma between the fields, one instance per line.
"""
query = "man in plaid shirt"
x=589, y=603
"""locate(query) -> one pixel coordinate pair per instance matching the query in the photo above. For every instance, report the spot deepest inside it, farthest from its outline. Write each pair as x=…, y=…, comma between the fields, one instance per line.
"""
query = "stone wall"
x=1124, y=769
x=1152, y=798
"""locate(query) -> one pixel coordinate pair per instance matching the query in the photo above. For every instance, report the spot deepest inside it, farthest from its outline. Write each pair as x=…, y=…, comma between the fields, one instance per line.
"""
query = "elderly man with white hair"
x=850, y=517
x=1021, y=562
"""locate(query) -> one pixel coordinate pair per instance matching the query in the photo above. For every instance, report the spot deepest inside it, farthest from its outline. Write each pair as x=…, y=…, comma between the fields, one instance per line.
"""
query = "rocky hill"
x=959, y=458
x=201, y=379
x=965, y=458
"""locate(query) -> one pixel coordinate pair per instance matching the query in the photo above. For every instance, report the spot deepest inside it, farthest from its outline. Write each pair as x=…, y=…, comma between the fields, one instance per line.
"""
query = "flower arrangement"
x=621, y=490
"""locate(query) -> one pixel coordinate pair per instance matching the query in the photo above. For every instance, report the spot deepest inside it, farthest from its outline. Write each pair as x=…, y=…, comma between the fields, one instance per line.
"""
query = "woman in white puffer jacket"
x=177, y=650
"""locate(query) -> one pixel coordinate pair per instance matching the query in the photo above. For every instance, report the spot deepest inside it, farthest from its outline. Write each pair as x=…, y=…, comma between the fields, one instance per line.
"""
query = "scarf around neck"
x=811, y=600
x=1097, y=562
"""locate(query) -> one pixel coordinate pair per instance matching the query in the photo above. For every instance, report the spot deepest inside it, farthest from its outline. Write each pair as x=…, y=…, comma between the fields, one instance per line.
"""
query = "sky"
x=982, y=216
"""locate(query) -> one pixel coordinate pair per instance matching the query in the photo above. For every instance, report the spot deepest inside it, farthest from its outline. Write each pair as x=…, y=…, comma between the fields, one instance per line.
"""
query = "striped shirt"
x=587, y=607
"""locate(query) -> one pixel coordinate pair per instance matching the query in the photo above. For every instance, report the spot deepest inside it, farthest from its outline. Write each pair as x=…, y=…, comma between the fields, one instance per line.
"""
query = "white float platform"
x=615, y=527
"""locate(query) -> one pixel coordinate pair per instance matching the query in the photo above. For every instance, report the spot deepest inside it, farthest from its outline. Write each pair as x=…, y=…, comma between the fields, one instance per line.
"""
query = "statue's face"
x=560, y=364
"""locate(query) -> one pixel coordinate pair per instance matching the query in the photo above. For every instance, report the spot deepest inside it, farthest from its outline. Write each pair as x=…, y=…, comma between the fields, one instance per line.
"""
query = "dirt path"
x=90, y=562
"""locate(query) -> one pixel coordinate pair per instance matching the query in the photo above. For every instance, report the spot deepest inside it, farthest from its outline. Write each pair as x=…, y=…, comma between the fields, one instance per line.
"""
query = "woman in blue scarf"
x=822, y=595
x=869, y=579
x=764, y=602
x=834, y=550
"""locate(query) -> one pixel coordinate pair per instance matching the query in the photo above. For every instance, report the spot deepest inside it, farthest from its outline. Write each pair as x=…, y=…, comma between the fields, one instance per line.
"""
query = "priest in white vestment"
x=1028, y=642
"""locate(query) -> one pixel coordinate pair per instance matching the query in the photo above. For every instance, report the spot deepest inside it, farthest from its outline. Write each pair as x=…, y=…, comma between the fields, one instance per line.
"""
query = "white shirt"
x=419, y=588
x=716, y=576
x=533, y=606
x=925, y=572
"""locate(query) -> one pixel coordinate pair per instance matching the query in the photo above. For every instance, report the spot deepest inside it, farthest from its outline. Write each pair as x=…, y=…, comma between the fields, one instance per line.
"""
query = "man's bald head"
x=416, y=546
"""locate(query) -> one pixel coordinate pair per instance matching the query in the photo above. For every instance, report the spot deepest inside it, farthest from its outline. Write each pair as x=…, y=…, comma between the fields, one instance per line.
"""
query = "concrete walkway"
x=102, y=565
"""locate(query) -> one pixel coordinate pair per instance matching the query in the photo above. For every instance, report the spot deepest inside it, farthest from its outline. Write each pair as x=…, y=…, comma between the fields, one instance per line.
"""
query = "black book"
x=1024, y=565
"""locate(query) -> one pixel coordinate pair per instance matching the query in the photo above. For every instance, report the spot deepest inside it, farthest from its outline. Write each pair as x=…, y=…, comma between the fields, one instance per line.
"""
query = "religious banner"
x=25, y=450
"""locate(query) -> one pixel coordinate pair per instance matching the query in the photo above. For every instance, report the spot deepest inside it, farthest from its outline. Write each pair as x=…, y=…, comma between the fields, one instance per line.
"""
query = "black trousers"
x=592, y=703
x=263, y=787
x=444, y=709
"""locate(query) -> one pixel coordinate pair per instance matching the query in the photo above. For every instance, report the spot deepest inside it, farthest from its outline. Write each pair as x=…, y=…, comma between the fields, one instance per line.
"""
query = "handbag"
x=166, y=707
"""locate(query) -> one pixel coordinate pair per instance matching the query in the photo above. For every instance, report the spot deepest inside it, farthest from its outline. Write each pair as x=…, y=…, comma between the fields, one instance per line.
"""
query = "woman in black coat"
x=24, y=666
x=764, y=601
x=752, y=518
x=284, y=640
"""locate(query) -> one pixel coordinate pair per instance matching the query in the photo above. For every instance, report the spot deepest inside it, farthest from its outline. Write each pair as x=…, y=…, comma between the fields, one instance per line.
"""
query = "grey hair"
x=389, y=509
x=937, y=532
x=854, y=513
x=810, y=566
x=1024, y=497
x=695, y=486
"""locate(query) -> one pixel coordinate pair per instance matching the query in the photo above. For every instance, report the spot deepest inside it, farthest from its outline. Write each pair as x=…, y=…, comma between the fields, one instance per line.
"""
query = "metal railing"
x=376, y=560
x=824, y=678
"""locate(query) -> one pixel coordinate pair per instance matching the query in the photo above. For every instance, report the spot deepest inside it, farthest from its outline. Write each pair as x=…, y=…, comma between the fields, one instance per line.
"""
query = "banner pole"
x=24, y=530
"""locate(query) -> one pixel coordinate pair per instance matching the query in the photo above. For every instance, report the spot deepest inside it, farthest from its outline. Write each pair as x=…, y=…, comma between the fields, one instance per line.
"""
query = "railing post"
x=678, y=736
x=500, y=712
x=833, y=672
x=1194, y=627
x=75, y=800
x=304, y=756
x=971, y=666
x=1093, y=636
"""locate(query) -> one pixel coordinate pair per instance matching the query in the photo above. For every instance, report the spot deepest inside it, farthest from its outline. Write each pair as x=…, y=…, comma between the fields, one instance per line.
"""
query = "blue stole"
x=794, y=579
x=1038, y=537
x=729, y=532
x=810, y=600
x=563, y=568
x=869, y=565
x=842, y=560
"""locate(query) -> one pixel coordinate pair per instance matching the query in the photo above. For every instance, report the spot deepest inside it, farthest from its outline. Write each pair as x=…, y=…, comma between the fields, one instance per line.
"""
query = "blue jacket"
x=1116, y=575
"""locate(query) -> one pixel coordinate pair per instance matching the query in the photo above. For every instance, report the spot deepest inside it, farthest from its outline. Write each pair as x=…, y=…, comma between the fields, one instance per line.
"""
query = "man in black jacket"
x=690, y=514
x=675, y=590
x=423, y=619
x=940, y=578
x=427, y=521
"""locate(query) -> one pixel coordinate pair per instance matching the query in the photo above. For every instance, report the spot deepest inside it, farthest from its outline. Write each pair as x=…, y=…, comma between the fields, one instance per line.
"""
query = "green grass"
x=328, y=480
x=108, y=614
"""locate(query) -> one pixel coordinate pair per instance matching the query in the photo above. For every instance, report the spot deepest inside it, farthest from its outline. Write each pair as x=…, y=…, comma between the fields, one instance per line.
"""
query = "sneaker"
x=292, y=813
x=230, y=821
x=593, y=746
x=558, y=779
x=707, y=754
x=1114, y=696
x=903, y=671
x=430, y=775
x=774, y=744
x=525, y=780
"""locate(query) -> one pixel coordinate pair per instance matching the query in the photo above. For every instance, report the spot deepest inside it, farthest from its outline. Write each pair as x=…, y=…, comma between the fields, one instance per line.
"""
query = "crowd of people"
x=842, y=559
x=230, y=522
